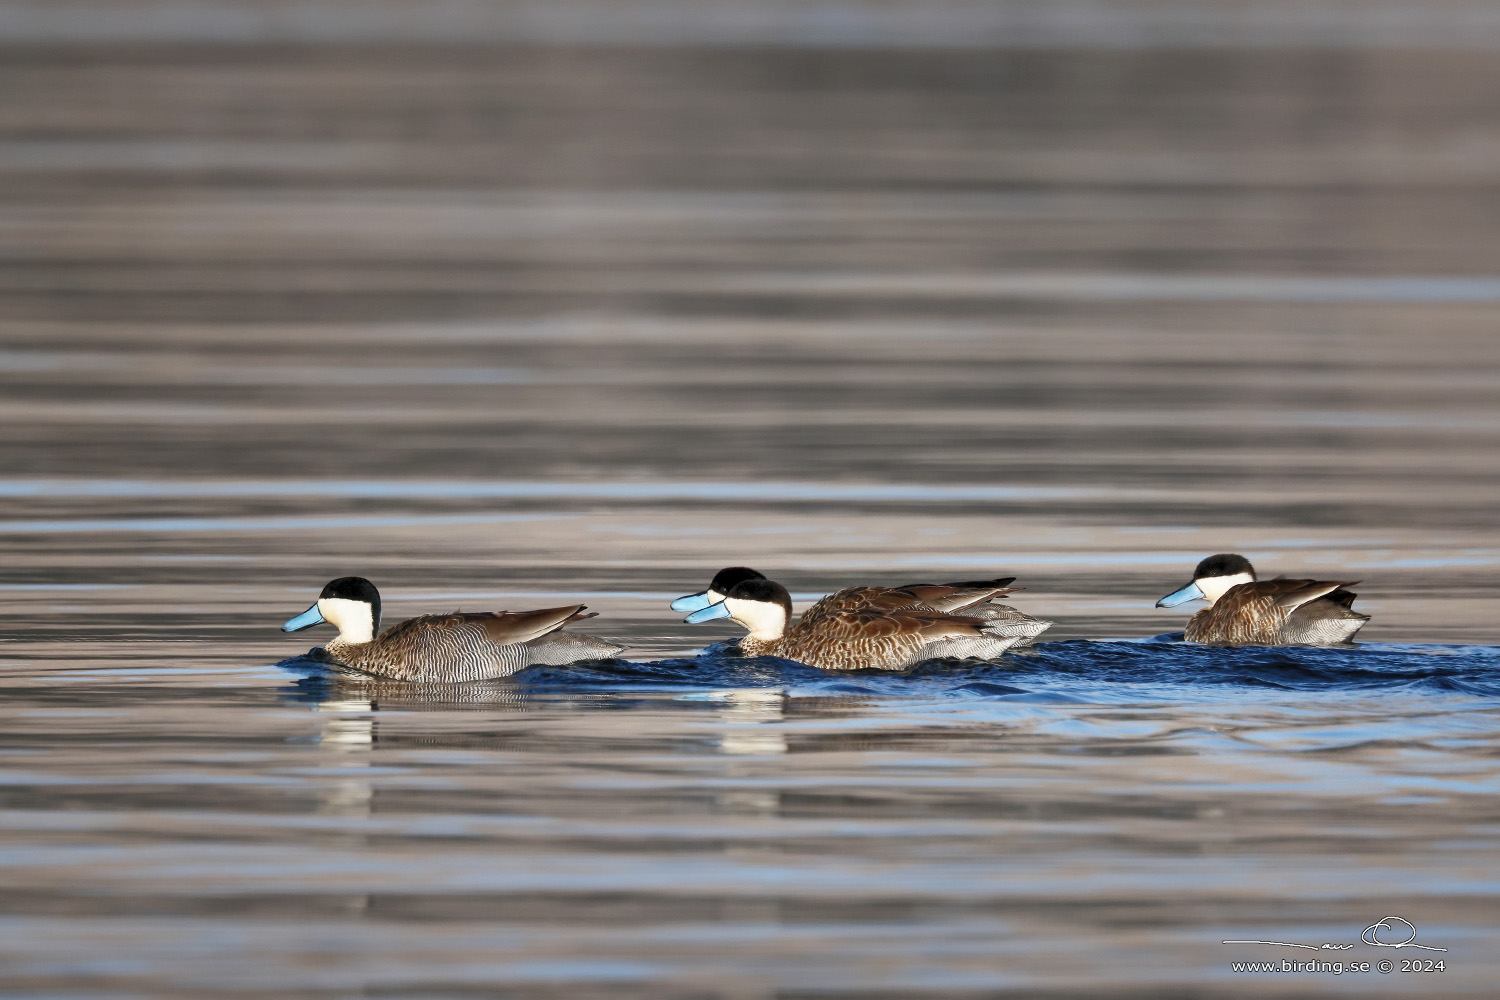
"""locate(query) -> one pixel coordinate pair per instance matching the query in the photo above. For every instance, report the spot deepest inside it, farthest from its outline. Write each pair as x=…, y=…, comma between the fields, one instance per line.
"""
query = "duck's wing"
x=1343, y=598
x=883, y=600
x=1004, y=581
x=960, y=596
x=946, y=597
x=503, y=628
x=1289, y=595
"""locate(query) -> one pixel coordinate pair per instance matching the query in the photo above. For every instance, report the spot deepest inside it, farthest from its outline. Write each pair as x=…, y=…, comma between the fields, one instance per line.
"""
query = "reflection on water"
x=1087, y=811
x=499, y=328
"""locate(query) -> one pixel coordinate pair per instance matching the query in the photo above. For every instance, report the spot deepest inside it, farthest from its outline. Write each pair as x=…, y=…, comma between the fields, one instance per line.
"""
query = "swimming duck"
x=837, y=635
x=970, y=597
x=1243, y=611
x=454, y=647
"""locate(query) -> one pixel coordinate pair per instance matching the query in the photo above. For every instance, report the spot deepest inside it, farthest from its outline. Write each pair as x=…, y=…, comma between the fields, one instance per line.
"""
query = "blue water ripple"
x=1069, y=671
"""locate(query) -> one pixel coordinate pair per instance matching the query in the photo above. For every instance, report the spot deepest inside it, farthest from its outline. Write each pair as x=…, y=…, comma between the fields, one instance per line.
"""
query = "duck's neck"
x=340, y=644
x=766, y=623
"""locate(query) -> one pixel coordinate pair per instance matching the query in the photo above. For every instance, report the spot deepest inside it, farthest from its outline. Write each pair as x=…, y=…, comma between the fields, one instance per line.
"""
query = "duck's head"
x=724, y=581
x=1211, y=579
x=350, y=604
x=760, y=605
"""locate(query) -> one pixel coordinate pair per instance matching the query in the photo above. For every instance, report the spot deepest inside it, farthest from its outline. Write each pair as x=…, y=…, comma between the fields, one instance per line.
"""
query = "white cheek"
x=355, y=620
x=1215, y=587
x=763, y=621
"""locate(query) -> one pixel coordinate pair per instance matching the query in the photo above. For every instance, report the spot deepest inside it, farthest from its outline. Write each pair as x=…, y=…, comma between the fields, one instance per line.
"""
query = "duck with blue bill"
x=841, y=633
x=1244, y=611
x=452, y=647
x=976, y=598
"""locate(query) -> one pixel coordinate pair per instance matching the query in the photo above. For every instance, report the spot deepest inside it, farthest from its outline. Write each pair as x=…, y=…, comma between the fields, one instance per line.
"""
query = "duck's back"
x=949, y=598
x=852, y=599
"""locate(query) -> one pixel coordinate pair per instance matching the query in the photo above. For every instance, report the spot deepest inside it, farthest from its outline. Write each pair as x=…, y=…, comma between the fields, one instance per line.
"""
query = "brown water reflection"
x=504, y=326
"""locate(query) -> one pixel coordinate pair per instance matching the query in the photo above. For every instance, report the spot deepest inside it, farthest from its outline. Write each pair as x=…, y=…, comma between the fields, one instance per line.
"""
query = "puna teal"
x=838, y=633
x=452, y=647
x=1244, y=611
x=975, y=598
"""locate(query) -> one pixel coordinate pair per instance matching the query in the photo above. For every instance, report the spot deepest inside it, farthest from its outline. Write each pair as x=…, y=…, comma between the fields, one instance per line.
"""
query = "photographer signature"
x=1392, y=926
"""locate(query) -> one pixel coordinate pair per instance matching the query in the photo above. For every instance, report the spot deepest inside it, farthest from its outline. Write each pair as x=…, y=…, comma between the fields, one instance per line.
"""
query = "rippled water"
x=514, y=327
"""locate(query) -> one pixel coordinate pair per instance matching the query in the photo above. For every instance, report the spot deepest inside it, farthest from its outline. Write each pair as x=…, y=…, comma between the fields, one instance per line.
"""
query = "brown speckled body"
x=1278, y=613
x=467, y=647
x=870, y=639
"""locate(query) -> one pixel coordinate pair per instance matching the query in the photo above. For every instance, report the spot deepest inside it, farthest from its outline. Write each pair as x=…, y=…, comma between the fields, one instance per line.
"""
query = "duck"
x=837, y=633
x=1244, y=611
x=974, y=598
x=453, y=647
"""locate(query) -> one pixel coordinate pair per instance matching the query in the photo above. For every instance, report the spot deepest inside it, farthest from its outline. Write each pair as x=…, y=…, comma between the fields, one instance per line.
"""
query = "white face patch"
x=714, y=597
x=355, y=620
x=1214, y=587
x=764, y=621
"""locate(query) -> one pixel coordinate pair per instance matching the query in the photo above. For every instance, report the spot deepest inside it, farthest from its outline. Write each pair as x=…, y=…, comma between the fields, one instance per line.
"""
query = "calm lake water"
x=509, y=327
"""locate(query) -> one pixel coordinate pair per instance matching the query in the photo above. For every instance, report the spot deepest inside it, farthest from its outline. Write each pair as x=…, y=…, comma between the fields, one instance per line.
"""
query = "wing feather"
x=503, y=628
x=948, y=597
x=1292, y=594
